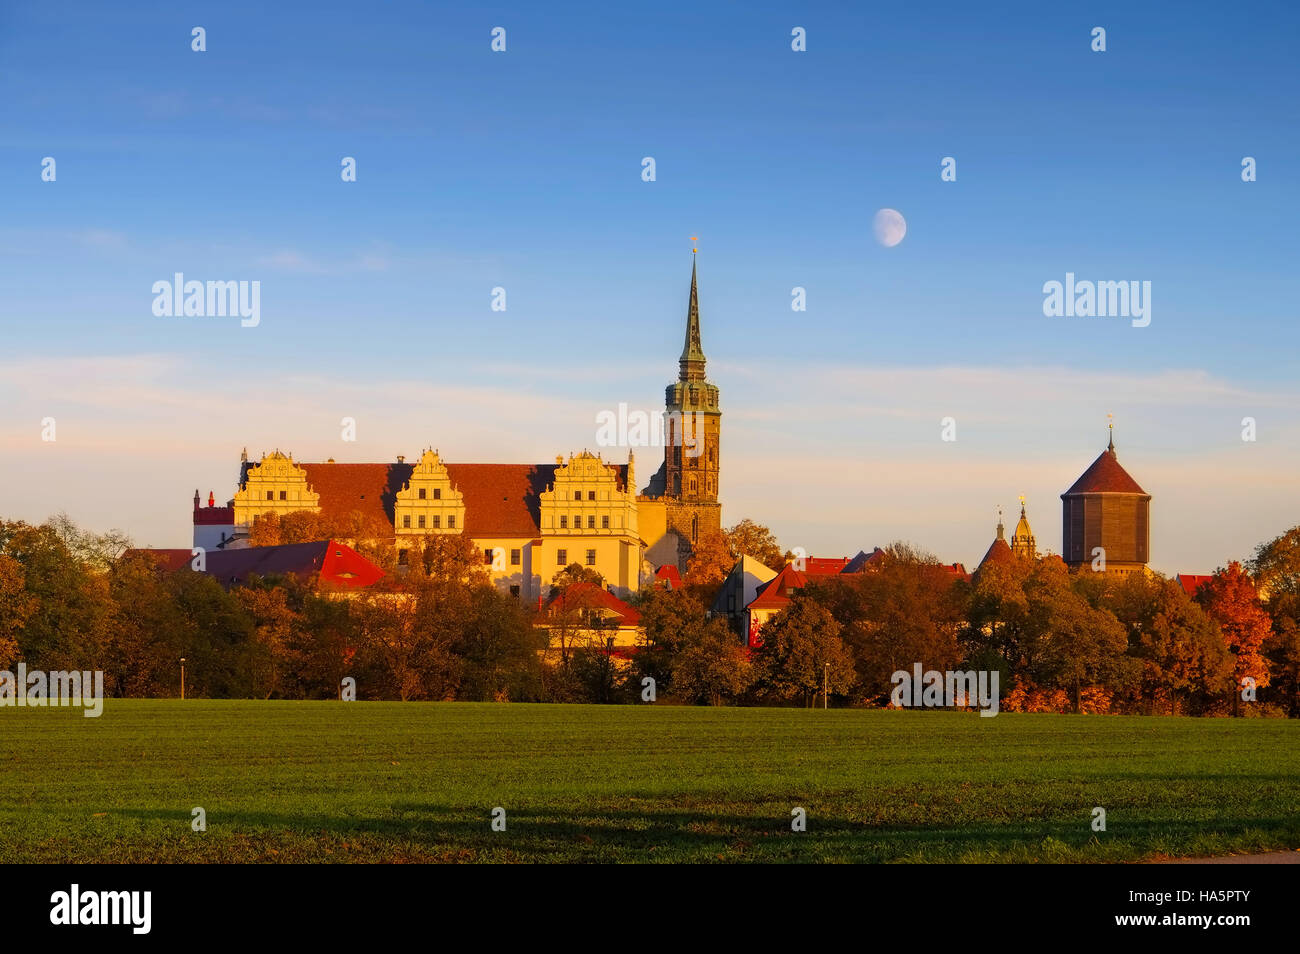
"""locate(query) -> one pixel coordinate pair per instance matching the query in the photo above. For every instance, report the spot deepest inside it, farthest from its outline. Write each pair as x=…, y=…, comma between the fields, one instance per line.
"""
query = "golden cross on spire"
x=693, y=241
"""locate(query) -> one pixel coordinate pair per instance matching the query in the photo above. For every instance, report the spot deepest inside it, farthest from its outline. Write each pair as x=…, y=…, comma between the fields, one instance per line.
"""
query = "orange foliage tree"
x=1230, y=598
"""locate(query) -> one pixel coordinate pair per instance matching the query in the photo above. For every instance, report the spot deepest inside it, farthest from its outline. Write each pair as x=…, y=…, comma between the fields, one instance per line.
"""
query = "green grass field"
x=335, y=782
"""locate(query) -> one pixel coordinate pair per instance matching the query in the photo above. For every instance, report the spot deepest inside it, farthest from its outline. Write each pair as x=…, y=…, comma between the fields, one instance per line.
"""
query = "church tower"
x=688, y=480
x=1022, y=541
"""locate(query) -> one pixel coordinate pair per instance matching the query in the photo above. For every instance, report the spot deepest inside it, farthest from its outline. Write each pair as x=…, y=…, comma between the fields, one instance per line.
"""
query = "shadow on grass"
x=624, y=834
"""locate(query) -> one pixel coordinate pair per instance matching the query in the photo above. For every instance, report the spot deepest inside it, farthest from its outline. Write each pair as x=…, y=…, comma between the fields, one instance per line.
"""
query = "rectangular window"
x=564, y=523
x=577, y=495
x=604, y=523
x=437, y=493
x=561, y=557
x=591, y=558
x=437, y=523
x=406, y=522
x=422, y=493
x=514, y=557
x=269, y=495
x=591, y=523
x=487, y=555
x=421, y=521
x=451, y=521
x=591, y=495
x=284, y=495
x=577, y=521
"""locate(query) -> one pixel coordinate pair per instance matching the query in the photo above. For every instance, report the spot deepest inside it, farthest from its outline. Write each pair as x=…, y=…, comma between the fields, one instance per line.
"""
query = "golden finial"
x=693, y=241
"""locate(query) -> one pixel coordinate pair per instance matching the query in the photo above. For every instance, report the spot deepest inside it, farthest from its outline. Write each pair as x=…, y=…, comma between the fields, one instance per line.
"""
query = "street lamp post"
x=182, y=677
x=826, y=687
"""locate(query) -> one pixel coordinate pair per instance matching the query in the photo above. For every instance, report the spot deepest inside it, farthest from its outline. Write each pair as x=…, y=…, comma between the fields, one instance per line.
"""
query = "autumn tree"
x=751, y=539
x=1181, y=651
x=499, y=649
x=801, y=648
x=710, y=562
x=449, y=558
x=67, y=626
x=268, y=653
x=147, y=628
x=1070, y=644
x=709, y=665
x=903, y=610
x=1229, y=597
x=265, y=531
x=1276, y=571
x=16, y=604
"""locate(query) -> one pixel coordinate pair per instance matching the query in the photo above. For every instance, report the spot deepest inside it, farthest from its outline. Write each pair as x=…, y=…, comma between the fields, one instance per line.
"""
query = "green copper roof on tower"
x=692, y=360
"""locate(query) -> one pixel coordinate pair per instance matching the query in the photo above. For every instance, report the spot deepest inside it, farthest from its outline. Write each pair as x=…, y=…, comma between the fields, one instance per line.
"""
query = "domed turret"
x=1022, y=541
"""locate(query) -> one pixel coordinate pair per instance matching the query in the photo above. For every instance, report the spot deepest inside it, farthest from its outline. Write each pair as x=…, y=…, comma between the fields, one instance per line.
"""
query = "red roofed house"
x=1191, y=582
x=669, y=577
x=586, y=616
x=334, y=562
x=739, y=589
x=774, y=595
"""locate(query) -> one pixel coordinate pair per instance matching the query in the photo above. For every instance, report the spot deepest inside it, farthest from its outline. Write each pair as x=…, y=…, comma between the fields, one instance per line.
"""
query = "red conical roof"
x=1105, y=476
x=998, y=552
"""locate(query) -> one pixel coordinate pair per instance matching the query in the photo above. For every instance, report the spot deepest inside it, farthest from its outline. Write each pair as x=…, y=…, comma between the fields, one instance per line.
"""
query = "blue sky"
x=522, y=170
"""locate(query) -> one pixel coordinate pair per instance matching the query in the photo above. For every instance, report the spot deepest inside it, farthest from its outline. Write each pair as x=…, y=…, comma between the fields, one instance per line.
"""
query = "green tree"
x=1182, y=654
x=801, y=648
x=710, y=666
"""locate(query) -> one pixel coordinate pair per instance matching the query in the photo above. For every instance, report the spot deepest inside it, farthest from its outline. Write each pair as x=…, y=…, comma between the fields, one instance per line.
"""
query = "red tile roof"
x=957, y=571
x=335, y=562
x=1191, y=582
x=999, y=551
x=166, y=559
x=668, y=573
x=586, y=595
x=214, y=516
x=1105, y=476
x=775, y=593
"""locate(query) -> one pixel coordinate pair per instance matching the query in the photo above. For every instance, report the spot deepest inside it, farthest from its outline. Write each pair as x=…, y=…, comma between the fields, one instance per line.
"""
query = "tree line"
x=438, y=629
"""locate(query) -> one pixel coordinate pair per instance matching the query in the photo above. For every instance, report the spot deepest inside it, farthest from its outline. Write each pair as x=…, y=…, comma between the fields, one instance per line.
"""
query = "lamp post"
x=826, y=687
x=182, y=677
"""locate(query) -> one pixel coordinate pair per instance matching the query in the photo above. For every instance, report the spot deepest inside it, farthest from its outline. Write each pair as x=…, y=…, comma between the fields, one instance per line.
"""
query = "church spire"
x=692, y=360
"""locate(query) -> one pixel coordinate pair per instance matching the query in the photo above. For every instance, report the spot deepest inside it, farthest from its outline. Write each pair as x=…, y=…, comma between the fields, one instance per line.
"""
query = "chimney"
x=401, y=459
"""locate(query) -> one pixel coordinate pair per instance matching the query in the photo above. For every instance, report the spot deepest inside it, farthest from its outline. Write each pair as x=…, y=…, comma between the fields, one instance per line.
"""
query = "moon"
x=890, y=227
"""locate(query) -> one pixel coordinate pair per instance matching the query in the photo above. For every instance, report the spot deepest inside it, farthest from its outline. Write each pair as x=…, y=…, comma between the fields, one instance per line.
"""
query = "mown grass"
x=336, y=782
